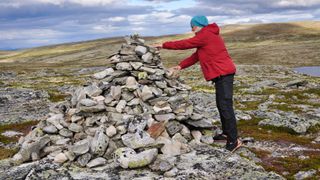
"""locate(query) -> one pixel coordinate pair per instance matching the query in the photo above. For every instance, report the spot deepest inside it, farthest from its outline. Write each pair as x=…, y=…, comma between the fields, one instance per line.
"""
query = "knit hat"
x=200, y=21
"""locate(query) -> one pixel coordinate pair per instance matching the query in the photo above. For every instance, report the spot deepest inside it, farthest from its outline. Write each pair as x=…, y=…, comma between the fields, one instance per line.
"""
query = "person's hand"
x=174, y=71
x=157, y=46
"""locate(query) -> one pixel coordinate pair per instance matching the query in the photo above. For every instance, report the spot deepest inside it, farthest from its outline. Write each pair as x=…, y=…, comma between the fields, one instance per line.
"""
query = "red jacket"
x=211, y=52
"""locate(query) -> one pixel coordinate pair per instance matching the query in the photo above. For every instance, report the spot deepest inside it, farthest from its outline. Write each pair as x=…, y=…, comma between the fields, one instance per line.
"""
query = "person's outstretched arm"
x=189, y=61
x=197, y=41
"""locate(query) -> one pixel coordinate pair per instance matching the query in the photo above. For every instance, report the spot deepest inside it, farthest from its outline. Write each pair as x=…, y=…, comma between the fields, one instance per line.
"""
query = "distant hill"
x=291, y=44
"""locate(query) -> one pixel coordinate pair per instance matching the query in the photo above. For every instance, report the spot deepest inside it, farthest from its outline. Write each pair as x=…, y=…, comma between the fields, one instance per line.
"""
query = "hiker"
x=217, y=66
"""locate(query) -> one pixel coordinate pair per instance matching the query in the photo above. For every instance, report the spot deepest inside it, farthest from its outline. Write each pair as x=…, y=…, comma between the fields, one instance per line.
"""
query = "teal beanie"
x=200, y=21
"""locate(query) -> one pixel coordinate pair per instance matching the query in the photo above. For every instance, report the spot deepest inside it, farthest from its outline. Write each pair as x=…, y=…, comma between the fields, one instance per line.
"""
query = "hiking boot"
x=220, y=137
x=233, y=146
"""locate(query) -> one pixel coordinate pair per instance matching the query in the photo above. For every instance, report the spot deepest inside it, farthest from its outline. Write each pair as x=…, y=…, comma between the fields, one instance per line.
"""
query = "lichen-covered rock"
x=137, y=140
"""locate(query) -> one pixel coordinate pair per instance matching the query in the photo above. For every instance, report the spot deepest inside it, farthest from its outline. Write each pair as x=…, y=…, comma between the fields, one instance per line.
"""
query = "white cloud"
x=104, y=28
x=296, y=3
x=116, y=19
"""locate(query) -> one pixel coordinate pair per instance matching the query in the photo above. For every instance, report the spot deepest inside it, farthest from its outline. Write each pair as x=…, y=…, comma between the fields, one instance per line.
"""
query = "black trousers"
x=224, y=101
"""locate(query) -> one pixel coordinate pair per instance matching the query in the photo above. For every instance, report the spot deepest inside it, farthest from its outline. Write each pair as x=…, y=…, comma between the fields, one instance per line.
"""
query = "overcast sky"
x=30, y=23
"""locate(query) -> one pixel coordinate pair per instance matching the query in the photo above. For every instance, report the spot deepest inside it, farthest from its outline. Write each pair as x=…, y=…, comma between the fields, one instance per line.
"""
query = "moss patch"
x=291, y=165
x=271, y=133
x=7, y=153
x=24, y=128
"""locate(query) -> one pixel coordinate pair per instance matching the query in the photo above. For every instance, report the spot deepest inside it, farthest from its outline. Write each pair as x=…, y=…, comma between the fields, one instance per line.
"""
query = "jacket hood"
x=214, y=28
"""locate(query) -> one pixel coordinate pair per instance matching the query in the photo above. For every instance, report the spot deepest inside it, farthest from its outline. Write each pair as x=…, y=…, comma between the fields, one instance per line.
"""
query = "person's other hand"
x=157, y=46
x=174, y=71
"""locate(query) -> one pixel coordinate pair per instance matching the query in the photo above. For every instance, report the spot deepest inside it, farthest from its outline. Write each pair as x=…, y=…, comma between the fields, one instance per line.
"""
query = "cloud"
x=29, y=23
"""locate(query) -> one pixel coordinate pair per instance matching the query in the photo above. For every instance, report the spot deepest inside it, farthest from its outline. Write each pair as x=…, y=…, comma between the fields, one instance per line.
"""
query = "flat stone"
x=60, y=158
x=203, y=123
x=75, y=118
x=88, y=102
x=75, y=127
x=148, y=70
x=81, y=147
x=137, y=140
x=108, y=99
x=65, y=133
x=163, y=163
x=93, y=109
x=124, y=66
x=164, y=117
x=96, y=162
x=50, y=129
x=156, y=129
x=140, y=50
x=103, y=74
x=131, y=83
x=133, y=102
x=63, y=141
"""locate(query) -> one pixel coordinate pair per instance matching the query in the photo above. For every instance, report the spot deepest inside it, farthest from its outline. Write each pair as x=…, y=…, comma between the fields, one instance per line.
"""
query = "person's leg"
x=222, y=120
x=224, y=92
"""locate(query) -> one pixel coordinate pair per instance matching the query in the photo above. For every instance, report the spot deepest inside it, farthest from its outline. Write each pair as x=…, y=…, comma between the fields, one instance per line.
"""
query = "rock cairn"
x=132, y=113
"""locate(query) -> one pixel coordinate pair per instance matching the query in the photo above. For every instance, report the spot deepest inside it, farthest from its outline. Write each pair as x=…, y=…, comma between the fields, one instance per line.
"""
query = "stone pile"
x=132, y=113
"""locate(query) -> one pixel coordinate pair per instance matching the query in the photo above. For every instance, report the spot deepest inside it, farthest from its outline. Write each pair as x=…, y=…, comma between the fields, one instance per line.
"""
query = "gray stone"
x=171, y=148
x=81, y=147
x=147, y=58
x=127, y=96
x=108, y=99
x=63, y=141
x=164, y=117
x=29, y=147
x=76, y=119
x=146, y=93
x=305, y=174
x=136, y=65
x=60, y=158
x=138, y=123
x=96, y=162
x=112, y=116
x=111, y=131
x=203, y=123
x=124, y=66
x=162, y=107
x=103, y=74
x=66, y=133
x=133, y=102
x=92, y=90
x=297, y=83
x=84, y=159
x=148, y=70
x=121, y=105
x=88, y=102
x=127, y=158
x=131, y=83
x=75, y=127
x=92, y=109
x=140, y=50
x=50, y=129
x=55, y=120
x=137, y=140
x=163, y=163
x=173, y=127
x=115, y=92
x=100, y=142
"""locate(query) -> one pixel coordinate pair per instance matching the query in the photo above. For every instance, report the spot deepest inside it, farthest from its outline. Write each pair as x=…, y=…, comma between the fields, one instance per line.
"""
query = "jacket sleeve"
x=194, y=42
x=189, y=61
